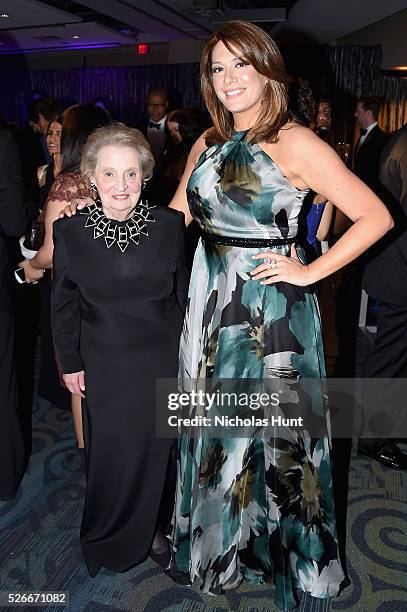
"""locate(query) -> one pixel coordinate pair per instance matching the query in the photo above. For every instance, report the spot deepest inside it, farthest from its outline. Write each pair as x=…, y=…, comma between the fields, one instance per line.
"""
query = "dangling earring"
x=94, y=190
x=143, y=186
x=145, y=181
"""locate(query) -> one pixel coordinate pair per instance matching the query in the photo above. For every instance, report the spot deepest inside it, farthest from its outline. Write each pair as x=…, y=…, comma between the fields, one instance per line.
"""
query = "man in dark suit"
x=370, y=144
x=154, y=127
x=385, y=279
x=366, y=161
x=155, y=130
x=12, y=223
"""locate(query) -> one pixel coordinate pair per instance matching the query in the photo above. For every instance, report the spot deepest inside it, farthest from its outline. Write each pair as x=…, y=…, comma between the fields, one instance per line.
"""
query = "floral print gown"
x=255, y=509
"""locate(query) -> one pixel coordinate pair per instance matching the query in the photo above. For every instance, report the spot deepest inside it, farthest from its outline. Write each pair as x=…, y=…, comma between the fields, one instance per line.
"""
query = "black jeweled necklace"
x=110, y=228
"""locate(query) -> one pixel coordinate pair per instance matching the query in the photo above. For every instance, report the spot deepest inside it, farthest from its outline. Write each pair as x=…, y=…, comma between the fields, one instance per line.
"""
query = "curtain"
x=124, y=88
x=356, y=72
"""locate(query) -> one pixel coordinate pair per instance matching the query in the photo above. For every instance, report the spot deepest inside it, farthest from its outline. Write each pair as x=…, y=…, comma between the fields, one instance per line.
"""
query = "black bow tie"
x=157, y=126
x=363, y=131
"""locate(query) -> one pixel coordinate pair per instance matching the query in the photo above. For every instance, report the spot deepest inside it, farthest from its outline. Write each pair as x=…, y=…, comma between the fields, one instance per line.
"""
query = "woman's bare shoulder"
x=293, y=142
x=294, y=132
x=296, y=141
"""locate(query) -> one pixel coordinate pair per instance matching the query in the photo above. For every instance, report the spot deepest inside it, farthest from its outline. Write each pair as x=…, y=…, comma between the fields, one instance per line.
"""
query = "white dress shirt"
x=368, y=129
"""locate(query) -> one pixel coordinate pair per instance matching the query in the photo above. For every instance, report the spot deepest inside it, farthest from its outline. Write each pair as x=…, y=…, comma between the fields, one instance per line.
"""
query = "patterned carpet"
x=39, y=546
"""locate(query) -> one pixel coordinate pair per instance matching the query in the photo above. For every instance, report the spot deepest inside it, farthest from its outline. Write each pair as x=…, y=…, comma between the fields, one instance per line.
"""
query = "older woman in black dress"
x=119, y=290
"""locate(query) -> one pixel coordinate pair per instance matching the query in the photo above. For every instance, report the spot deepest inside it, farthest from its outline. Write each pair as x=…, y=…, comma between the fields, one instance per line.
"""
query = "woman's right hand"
x=75, y=383
x=77, y=204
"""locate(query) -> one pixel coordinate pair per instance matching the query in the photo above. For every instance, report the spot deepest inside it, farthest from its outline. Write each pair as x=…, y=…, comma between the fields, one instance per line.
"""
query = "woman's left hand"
x=277, y=268
x=32, y=275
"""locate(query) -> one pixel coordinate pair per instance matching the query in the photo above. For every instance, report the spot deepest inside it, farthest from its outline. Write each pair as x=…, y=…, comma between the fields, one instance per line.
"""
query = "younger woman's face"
x=54, y=137
x=236, y=83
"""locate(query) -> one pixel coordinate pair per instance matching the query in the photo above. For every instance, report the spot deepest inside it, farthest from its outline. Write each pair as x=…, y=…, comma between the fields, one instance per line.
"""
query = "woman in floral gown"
x=258, y=508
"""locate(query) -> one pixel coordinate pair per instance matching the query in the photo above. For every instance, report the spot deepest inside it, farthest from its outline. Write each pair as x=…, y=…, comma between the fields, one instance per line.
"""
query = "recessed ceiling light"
x=4, y=16
x=75, y=37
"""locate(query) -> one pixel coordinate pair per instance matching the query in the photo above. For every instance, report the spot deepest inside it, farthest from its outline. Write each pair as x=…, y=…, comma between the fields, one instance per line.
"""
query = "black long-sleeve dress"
x=118, y=316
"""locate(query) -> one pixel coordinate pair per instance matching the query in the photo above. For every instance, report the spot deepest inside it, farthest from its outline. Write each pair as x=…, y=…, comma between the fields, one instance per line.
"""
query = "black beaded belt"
x=247, y=242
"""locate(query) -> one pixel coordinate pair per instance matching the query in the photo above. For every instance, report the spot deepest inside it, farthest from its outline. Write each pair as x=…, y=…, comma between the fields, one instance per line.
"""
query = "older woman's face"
x=236, y=83
x=118, y=177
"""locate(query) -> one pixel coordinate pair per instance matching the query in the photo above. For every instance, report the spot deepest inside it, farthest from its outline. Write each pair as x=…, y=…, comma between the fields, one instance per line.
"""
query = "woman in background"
x=320, y=215
x=185, y=126
x=47, y=174
x=78, y=123
x=317, y=211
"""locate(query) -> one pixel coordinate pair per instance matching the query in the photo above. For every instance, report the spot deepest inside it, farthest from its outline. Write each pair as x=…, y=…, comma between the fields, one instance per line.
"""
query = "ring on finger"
x=272, y=263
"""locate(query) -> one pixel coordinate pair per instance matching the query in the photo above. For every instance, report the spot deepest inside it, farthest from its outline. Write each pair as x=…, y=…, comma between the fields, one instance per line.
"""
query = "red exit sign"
x=143, y=49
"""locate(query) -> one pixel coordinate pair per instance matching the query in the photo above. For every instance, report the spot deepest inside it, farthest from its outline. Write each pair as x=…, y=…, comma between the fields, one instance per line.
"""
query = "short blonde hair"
x=119, y=135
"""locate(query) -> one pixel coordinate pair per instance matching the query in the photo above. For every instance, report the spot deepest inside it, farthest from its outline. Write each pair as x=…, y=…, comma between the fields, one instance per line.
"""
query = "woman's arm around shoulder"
x=179, y=201
x=66, y=186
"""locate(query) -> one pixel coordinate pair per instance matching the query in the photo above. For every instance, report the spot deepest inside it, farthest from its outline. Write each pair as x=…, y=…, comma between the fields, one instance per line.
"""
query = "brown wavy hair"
x=257, y=48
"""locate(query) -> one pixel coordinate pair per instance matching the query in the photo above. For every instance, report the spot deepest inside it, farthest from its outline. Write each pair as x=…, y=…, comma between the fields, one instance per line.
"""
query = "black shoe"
x=344, y=584
x=389, y=455
x=178, y=577
x=93, y=567
x=162, y=559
